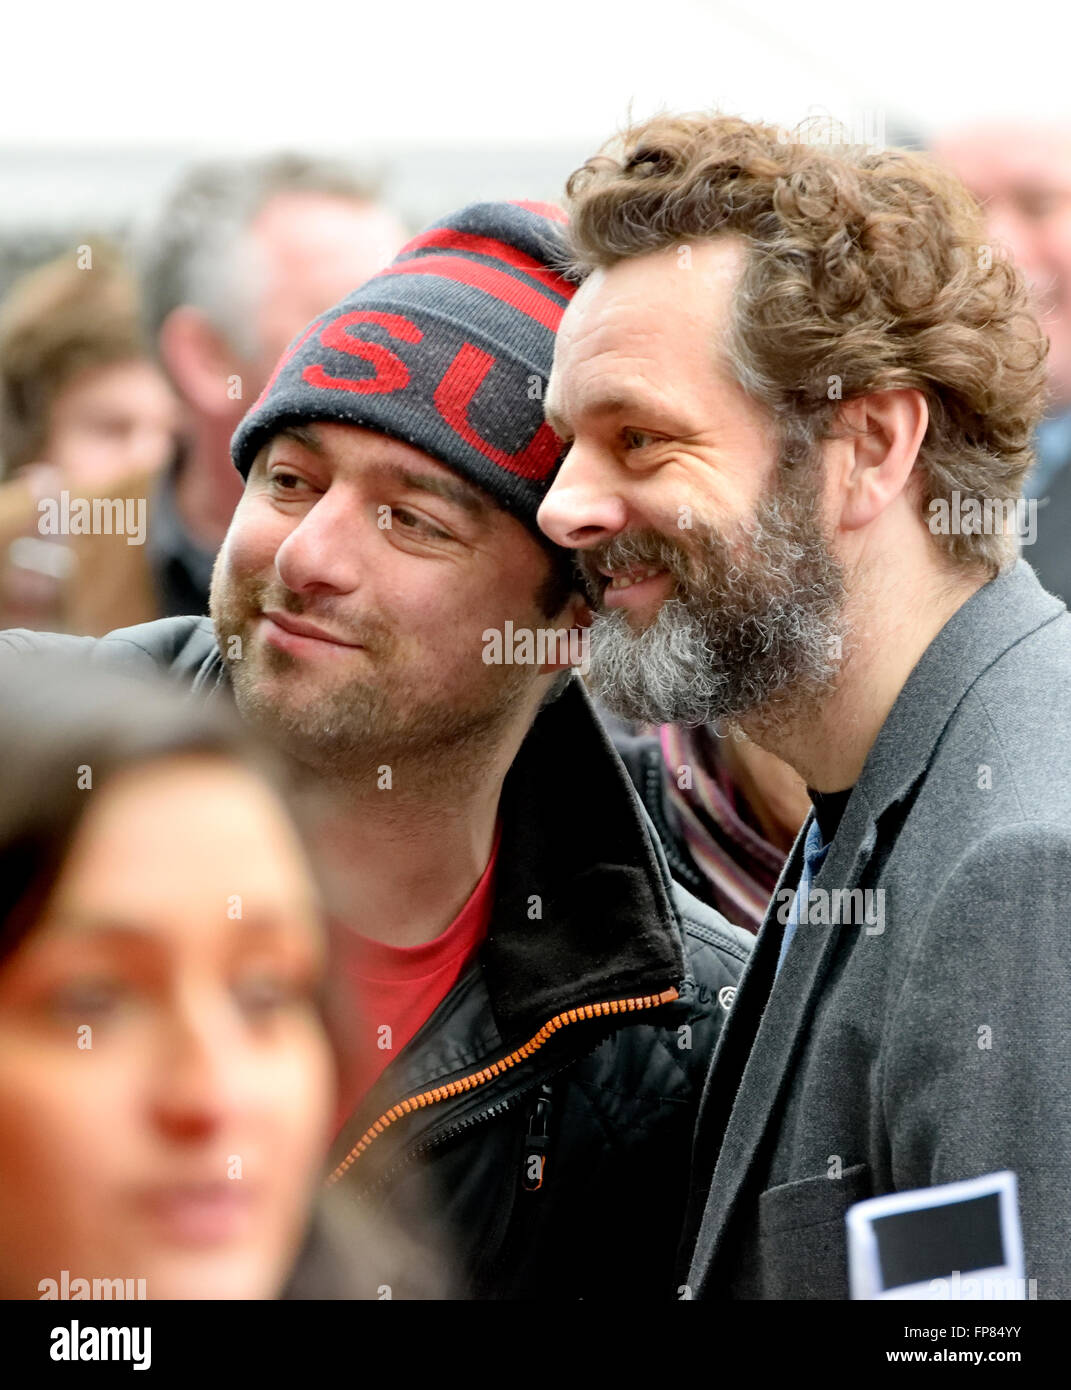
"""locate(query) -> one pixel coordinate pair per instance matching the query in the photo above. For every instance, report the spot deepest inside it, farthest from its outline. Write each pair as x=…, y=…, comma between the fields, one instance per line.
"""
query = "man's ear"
x=574, y=617
x=199, y=361
x=884, y=431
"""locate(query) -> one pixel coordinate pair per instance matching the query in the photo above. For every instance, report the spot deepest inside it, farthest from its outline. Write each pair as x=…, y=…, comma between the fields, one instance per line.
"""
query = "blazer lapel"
x=759, y=1044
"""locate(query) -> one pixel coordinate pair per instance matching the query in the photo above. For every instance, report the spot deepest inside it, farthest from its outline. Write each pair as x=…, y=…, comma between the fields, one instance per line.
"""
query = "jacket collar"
x=583, y=912
x=582, y=915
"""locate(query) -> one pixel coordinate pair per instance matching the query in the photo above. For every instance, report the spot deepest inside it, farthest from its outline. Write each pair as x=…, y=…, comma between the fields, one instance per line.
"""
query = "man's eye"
x=409, y=521
x=636, y=439
x=286, y=482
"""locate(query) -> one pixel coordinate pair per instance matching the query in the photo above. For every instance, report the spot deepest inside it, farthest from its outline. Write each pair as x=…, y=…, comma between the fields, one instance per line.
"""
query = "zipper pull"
x=537, y=1140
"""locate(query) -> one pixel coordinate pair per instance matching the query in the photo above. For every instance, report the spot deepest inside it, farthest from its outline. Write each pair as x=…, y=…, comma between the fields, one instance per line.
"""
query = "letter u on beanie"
x=448, y=348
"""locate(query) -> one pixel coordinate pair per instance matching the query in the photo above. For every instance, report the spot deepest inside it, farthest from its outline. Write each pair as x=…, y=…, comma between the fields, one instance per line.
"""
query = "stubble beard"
x=365, y=722
x=753, y=635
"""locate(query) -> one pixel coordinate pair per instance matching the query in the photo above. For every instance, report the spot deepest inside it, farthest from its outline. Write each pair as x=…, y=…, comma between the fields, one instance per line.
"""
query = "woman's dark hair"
x=66, y=728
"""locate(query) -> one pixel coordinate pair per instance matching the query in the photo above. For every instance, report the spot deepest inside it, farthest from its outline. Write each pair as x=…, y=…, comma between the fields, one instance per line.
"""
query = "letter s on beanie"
x=439, y=350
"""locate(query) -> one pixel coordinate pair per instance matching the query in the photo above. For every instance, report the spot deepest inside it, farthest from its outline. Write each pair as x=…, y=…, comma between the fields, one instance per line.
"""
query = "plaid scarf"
x=740, y=864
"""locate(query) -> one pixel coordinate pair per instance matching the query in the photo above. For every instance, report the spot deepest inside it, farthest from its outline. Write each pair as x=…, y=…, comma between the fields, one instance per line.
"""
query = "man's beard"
x=753, y=630
x=353, y=729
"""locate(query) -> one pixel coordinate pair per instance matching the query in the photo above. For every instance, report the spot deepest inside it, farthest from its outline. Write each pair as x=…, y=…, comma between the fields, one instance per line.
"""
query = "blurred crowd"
x=124, y=373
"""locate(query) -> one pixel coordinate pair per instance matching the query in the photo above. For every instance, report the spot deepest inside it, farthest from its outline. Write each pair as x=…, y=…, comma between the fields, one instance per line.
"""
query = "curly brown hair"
x=865, y=272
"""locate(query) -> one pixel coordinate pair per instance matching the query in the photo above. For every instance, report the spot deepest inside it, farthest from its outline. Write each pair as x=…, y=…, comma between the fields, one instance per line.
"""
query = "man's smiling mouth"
x=624, y=579
x=287, y=630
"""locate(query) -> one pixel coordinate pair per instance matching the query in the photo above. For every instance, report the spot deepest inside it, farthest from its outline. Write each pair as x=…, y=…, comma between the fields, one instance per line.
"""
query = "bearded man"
x=797, y=385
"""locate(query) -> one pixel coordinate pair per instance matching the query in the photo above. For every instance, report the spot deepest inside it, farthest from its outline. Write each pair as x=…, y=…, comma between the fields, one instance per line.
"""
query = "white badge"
x=962, y=1240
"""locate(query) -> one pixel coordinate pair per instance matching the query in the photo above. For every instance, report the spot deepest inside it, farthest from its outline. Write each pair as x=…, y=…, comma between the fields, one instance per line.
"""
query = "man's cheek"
x=252, y=541
x=235, y=584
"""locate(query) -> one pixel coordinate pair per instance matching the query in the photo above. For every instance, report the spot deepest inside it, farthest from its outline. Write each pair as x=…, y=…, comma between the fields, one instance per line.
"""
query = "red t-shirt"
x=396, y=989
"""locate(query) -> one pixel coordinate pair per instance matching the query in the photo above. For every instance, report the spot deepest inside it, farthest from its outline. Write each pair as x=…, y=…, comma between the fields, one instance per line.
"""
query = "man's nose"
x=584, y=506
x=320, y=553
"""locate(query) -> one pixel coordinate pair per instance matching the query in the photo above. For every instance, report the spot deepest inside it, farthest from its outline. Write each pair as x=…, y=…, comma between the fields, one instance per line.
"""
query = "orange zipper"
x=480, y=1078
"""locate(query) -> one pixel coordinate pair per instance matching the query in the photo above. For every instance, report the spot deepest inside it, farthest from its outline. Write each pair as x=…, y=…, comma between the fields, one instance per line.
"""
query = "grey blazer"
x=927, y=1039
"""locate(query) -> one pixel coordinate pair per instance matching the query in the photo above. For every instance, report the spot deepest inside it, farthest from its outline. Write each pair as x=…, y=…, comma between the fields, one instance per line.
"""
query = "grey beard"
x=757, y=637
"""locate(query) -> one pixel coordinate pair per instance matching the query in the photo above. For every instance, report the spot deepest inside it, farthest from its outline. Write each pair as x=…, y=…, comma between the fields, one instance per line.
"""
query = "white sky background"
x=323, y=74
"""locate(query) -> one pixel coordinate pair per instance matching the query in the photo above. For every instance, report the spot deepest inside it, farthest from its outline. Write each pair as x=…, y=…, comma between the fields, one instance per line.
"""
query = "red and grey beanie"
x=449, y=349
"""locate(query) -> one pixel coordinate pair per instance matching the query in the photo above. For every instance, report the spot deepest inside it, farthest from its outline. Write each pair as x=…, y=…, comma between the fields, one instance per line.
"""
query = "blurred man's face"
x=716, y=592
x=361, y=576
x=1023, y=180
x=313, y=251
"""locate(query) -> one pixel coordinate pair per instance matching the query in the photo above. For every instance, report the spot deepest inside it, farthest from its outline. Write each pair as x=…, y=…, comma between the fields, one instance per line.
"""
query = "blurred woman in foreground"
x=166, y=1079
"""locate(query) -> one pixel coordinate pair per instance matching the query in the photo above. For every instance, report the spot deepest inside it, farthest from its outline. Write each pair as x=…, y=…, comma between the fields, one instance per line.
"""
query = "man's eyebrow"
x=451, y=489
x=305, y=435
x=610, y=403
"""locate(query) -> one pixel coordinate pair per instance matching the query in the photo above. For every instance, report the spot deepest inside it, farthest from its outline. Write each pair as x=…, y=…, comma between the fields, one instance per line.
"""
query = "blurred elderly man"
x=1023, y=179
x=240, y=258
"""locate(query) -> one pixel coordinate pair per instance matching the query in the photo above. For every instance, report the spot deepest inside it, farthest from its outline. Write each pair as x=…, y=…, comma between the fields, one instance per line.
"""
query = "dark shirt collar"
x=828, y=810
x=575, y=839
x=181, y=569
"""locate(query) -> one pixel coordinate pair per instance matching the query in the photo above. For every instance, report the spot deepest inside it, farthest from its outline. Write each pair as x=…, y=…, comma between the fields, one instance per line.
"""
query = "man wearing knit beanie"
x=534, y=1001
